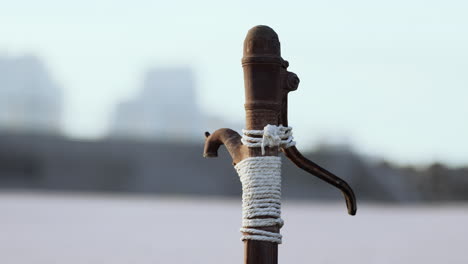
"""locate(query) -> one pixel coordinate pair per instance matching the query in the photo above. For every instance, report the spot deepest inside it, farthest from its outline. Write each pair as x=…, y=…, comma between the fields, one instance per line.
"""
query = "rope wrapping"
x=261, y=183
x=261, y=193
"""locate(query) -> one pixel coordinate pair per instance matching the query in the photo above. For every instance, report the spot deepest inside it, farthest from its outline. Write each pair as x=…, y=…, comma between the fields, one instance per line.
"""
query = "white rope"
x=271, y=136
x=261, y=193
x=261, y=183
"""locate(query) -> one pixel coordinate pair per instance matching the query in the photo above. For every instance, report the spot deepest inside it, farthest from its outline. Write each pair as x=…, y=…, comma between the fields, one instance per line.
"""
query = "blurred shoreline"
x=52, y=162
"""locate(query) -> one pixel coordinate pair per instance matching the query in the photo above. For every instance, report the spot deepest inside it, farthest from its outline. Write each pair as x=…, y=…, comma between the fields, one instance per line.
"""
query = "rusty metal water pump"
x=267, y=84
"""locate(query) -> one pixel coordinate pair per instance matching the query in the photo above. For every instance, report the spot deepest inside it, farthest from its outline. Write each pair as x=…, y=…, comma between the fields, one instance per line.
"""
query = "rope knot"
x=271, y=136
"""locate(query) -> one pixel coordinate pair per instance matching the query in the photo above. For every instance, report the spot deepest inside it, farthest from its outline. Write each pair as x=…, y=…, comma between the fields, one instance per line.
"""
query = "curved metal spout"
x=224, y=136
x=293, y=154
x=302, y=162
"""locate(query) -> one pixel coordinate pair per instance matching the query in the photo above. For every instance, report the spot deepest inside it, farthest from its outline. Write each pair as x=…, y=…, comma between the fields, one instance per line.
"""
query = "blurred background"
x=103, y=106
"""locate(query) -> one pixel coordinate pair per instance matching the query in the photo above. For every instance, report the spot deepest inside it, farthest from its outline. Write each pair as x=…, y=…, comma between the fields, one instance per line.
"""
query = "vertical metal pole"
x=262, y=64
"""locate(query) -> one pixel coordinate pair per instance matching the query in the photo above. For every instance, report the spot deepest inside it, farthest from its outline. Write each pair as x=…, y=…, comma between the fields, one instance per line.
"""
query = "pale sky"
x=388, y=78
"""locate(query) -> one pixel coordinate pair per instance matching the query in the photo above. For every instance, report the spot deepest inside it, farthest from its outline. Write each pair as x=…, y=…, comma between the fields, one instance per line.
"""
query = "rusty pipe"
x=262, y=66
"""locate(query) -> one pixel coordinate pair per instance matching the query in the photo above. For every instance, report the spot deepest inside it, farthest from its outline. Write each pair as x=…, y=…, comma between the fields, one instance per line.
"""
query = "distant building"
x=165, y=109
x=29, y=99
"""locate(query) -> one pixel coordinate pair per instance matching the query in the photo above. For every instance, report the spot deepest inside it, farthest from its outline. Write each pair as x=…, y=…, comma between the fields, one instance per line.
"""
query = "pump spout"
x=228, y=137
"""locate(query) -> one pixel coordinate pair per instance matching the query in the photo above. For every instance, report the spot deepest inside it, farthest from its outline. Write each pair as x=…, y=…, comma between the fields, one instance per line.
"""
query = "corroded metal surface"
x=267, y=84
